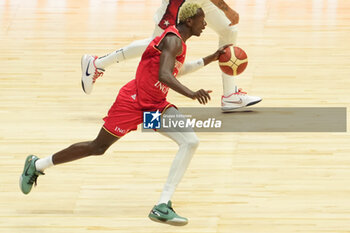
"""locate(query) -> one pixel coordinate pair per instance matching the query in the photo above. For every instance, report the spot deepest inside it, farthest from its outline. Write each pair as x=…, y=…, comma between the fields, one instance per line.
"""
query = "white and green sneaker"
x=164, y=213
x=29, y=174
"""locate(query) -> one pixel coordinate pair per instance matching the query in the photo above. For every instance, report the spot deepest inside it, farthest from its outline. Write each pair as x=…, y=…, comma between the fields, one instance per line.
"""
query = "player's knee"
x=193, y=142
x=228, y=35
x=99, y=149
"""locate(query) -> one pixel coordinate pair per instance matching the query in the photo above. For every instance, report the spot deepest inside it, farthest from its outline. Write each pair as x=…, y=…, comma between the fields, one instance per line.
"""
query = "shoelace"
x=97, y=73
x=240, y=92
x=33, y=179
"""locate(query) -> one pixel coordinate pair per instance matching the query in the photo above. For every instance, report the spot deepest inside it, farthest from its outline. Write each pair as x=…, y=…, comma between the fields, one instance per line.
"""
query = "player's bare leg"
x=83, y=149
x=34, y=166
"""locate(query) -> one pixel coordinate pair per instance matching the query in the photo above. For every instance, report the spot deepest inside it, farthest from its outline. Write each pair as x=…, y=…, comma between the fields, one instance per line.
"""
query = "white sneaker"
x=89, y=72
x=237, y=100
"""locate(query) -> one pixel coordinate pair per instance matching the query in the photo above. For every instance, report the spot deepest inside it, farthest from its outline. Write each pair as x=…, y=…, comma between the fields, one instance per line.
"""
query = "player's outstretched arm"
x=195, y=65
x=171, y=46
x=215, y=56
x=231, y=14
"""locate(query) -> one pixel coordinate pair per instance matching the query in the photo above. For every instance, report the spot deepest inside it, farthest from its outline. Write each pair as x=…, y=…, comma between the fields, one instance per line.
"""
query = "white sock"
x=229, y=85
x=107, y=60
x=188, y=143
x=42, y=164
x=133, y=50
x=167, y=193
x=178, y=167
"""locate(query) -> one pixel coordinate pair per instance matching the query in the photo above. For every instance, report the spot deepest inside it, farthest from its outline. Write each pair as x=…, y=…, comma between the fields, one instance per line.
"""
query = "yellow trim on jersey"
x=156, y=45
x=111, y=133
x=168, y=106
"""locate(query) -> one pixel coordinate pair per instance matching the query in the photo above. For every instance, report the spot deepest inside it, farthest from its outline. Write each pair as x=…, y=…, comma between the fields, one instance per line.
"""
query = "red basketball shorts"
x=126, y=113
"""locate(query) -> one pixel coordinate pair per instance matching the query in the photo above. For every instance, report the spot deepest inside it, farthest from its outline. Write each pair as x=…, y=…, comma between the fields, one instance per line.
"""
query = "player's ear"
x=189, y=22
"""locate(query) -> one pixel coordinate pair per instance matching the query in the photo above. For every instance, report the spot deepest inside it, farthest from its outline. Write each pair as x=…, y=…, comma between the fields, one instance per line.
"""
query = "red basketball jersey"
x=171, y=13
x=144, y=93
x=150, y=91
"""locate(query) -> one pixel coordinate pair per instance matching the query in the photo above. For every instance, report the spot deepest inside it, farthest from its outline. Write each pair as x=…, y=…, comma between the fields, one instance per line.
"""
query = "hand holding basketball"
x=234, y=61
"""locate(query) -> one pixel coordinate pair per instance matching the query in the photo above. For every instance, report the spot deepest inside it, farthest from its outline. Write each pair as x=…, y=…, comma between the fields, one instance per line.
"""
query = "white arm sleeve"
x=191, y=66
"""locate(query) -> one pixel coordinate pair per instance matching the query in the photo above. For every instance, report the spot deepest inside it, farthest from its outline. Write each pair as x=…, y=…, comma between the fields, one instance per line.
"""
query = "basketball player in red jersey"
x=220, y=17
x=155, y=74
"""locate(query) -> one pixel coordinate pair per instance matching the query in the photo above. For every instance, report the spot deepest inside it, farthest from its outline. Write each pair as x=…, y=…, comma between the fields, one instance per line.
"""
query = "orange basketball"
x=233, y=61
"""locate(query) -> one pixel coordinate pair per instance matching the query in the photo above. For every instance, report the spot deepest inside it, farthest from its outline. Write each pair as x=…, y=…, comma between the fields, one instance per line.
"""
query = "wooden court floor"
x=299, y=56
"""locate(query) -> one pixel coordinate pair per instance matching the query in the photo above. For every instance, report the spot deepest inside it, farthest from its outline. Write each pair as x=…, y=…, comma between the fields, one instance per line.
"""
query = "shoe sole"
x=254, y=102
x=168, y=222
x=21, y=177
x=234, y=109
x=20, y=183
x=83, y=69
